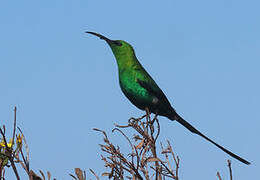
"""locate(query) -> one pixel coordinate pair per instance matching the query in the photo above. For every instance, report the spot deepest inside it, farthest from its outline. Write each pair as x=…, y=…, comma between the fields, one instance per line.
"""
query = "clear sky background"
x=205, y=55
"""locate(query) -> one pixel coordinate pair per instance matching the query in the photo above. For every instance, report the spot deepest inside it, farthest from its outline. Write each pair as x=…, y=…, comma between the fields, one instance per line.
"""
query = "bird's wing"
x=154, y=90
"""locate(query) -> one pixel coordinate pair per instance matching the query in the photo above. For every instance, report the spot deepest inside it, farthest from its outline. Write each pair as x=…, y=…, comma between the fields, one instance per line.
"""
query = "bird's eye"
x=118, y=43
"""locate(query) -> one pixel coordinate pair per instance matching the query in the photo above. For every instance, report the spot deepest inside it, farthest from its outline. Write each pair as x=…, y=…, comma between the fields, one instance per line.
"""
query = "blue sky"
x=203, y=54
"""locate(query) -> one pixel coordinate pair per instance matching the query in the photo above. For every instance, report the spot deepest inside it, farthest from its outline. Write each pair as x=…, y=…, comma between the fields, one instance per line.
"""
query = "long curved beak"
x=100, y=36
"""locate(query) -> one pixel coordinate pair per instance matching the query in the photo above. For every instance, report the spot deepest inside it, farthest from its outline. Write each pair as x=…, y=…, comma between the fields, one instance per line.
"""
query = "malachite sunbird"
x=140, y=88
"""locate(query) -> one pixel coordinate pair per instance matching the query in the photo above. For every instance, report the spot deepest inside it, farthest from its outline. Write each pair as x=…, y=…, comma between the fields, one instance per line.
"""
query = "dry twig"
x=230, y=171
x=143, y=162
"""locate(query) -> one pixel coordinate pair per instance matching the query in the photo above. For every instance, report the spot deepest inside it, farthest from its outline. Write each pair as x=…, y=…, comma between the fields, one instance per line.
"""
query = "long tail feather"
x=194, y=130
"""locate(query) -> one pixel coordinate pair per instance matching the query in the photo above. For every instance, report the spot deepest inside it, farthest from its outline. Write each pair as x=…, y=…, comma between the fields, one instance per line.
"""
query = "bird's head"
x=122, y=50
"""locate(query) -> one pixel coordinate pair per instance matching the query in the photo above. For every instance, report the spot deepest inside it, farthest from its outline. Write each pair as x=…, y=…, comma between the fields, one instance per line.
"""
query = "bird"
x=142, y=91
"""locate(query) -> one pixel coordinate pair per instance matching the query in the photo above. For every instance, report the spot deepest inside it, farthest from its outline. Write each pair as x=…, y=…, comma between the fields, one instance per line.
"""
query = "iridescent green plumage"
x=134, y=79
x=139, y=87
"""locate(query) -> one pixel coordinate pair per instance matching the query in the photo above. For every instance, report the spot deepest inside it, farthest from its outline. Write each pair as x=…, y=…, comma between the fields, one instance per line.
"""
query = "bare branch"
x=230, y=170
x=218, y=175
x=94, y=174
x=144, y=158
x=14, y=129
